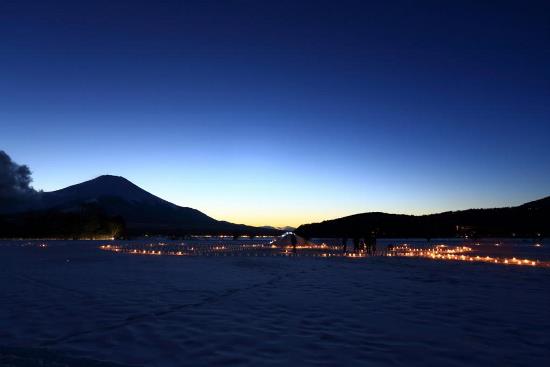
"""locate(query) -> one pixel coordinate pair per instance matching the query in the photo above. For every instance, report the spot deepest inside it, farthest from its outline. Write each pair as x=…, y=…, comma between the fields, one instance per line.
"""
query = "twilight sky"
x=283, y=112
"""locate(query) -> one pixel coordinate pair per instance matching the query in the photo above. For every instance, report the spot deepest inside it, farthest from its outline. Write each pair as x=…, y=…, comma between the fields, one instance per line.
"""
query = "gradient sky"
x=283, y=112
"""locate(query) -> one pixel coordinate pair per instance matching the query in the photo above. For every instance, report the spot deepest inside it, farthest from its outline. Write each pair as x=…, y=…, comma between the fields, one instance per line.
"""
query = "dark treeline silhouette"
x=86, y=221
x=528, y=220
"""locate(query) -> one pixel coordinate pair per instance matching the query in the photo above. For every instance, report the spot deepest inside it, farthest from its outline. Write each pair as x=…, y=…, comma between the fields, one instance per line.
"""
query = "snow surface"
x=71, y=304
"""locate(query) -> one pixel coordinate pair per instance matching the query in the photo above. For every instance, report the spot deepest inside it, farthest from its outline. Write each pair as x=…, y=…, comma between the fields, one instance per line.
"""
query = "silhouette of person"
x=344, y=245
x=367, y=244
x=355, y=244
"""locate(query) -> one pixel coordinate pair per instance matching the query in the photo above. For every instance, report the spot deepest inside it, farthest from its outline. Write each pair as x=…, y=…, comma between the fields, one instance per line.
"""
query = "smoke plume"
x=15, y=182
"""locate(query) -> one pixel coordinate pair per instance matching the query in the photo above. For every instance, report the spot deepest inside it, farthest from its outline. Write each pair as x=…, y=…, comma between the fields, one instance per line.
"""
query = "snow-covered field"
x=71, y=304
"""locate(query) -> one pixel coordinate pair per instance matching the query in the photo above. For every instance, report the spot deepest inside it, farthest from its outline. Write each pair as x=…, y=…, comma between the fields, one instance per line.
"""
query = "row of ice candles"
x=443, y=252
x=439, y=252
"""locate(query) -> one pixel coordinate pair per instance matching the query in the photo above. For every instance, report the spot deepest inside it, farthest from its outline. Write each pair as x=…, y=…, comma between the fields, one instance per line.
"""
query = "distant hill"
x=119, y=199
x=528, y=220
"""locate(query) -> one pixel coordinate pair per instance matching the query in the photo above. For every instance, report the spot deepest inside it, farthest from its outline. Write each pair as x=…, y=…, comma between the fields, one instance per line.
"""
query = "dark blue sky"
x=283, y=112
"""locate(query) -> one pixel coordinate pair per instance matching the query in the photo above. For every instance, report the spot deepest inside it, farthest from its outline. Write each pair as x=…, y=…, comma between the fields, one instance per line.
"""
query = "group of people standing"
x=365, y=244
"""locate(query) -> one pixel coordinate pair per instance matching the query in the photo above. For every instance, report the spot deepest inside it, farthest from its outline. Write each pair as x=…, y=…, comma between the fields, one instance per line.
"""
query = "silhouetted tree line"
x=85, y=221
x=528, y=220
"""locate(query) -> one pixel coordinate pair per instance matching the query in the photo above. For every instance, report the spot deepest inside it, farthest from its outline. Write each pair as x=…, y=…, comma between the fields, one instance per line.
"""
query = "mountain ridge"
x=531, y=219
x=112, y=196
